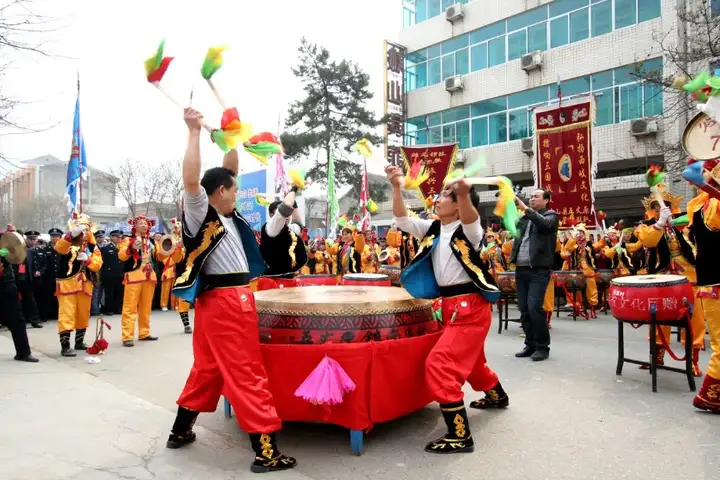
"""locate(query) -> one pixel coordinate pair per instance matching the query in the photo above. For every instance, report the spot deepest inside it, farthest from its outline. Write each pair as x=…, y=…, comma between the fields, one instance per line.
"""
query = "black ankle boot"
x=267, y=456
x=65, y=349
x=186, y=322
x=494, y=398
x=182, y=433
x=458, y=439
x=80, y=339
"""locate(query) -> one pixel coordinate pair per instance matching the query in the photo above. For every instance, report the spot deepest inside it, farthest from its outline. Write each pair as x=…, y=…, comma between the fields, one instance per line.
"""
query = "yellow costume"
x=369, y=258
x=77, y=252
x=581, y=256
x=332, y=248
x=549, y=299
x=492, y=254
x=321, y=267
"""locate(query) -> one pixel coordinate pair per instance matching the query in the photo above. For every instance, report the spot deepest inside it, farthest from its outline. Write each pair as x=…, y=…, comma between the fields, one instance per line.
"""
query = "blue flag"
x=77, y=167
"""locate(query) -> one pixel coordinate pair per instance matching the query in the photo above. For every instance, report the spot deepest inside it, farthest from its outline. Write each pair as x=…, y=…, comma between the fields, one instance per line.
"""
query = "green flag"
x=332, y=199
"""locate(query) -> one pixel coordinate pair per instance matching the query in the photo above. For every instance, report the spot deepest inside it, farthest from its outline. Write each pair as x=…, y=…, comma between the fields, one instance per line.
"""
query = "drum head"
x=365, y=276
x=506, y=274
x=700, y=137
x=389, y=267
x=649, y=280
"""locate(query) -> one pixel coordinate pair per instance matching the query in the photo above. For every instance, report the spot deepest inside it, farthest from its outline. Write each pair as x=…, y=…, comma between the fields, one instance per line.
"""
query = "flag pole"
x=80, y=181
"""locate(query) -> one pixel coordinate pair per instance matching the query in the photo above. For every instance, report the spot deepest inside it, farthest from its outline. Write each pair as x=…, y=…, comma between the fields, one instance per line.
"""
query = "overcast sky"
x=124, y=117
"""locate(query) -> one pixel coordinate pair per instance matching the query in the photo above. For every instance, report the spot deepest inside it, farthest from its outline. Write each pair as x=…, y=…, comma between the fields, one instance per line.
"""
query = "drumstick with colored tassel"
x=212, y=63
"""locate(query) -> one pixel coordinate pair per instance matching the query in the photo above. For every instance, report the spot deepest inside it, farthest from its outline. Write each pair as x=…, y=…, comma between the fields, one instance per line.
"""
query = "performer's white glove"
x=137, y=244
x=665, y=214
x=82, y=257
x=76, y=231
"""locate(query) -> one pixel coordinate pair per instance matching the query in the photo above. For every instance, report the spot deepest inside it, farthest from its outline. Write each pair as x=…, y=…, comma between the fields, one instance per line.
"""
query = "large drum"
x=344, y=314
x=369, y=279
x=393, y=272
x=604, y=277
x=506, y=282
x=569, y=278
x=320, y=279
x=630, y=298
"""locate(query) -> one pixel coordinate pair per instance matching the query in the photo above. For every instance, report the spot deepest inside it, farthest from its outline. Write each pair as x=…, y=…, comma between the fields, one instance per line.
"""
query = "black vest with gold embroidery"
x=284, y=254
x=419, y=277
x=707, y=266
x=658, y=258
x=408, y=248
x=133, y=263
x=69, y=265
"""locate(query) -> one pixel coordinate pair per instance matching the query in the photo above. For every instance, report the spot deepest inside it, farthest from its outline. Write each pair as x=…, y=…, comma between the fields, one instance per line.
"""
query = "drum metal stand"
x=356, y=436
x=503, y=305
x=684, y=322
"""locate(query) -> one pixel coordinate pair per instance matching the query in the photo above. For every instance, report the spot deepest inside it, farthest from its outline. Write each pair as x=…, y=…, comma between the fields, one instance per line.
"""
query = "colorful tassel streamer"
x=297, y=178
x=232, y=132
x=429, y=202
x=416, y=176
x=263, y=146
x=470, y=171
x=212, y=63
x=262, y=201
x=505, y=207
x=327, y=384
x=654, y=176
x=4, y=252
x=601, y=215
x=371, y=206
x=681, y=221
x=363, y=147
x=157, y=65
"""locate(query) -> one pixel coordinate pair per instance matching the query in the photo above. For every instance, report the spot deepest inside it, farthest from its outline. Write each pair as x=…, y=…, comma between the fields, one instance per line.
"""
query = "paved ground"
x=570, y=418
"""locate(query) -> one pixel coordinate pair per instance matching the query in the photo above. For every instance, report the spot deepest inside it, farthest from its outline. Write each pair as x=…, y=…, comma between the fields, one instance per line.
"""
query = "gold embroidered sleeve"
x=609, y=252
x=62, y=246
x=649, y=236
x=633, y=247
x=711, y=215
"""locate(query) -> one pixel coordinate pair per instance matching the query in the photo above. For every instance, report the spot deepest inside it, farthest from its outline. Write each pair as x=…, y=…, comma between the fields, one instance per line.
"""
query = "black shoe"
x=80, y=339
x=526, y=352
x=267, y=456
x=36, y=324
x=128, y=343
x=68, y=352
x=149, y=338
x=494, y=398
x=26, y=358
x=178, y=441
x=540, y=355
x=458, y=439
x=65, y=349
x=188, y=329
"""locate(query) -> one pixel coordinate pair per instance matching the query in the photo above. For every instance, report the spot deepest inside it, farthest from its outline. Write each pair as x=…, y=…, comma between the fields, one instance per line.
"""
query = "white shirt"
x=448, y=270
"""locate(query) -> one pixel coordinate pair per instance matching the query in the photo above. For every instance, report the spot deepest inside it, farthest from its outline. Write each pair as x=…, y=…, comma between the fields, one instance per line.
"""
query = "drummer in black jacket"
x=111, y=275
x=24, y=280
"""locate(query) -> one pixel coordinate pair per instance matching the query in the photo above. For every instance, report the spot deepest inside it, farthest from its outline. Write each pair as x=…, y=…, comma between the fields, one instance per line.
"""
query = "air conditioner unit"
x=643, y=127
x=453, y=84
x=454, y=12
x=531, y=61
x=527, y=146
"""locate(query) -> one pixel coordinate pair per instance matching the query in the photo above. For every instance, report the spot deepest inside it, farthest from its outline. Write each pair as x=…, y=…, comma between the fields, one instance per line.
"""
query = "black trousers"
x=40, y=298
x=531, y=285
x=28, y=305
x=114, y=291
x=49, y=299
x=11, y=317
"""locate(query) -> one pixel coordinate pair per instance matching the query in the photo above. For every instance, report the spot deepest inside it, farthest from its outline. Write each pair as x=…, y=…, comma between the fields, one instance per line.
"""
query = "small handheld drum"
x=392, y=271
x=320, y=279
x=604, y=277
x=506, y=282
x=343, y=314
x=569, y=278
x=630, y=298
x=369, y=279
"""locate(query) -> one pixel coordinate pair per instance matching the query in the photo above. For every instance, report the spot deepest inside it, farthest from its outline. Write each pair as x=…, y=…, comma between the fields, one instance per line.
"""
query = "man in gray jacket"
x=533, y=254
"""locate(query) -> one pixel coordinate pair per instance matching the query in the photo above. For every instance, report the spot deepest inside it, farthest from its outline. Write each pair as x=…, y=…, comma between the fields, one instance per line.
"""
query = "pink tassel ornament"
x=327, y=384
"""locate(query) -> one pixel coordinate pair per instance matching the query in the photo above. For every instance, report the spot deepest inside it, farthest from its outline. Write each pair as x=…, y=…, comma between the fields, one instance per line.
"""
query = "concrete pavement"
x=570, y=418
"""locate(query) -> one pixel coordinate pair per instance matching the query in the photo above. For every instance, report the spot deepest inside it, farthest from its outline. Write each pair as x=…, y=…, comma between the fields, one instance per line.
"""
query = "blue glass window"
x=602, y=80
x=433, y=51
x=488, y=106
x=498, y=128
x=417, y=57
x=421, y=76
x=605, y=106
x=434, y=119
x=417, y=122
x=478, y=57
x=455, y=114
x=537, y=37
x=454, y=44
x=434, y=8
x=558, y=7
x=420, y=11
x=715, y=7
x=630, y=102
x=575, y=86
x=436, y=135
x=421, y=137
x=480, y=132
x=579, y=25
x=649, y=9
x=518, y=123
x=558, y=32
x=625, y=13
x=496, y=51
x=517, y=44
x=434, y=73
x=448, y=133
x=526, y=19
x=448, y=65
x=446, y=4
x=486, y=33
x=528, y=97
x=462, y=62
x=601, y=18
x=462, y=134
x=653, y=99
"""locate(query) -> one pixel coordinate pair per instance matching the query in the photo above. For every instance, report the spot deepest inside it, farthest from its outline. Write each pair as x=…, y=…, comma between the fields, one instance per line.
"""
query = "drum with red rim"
x=392, y=271
x=569, y=278
x=506, y=282
x=321, y=279
x=630, y=298
x=369, y=279
x=604, y=277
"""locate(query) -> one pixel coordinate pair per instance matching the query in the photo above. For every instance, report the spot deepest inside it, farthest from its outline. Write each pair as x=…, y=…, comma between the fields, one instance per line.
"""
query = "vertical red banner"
x=438, y=159
x=564, y=159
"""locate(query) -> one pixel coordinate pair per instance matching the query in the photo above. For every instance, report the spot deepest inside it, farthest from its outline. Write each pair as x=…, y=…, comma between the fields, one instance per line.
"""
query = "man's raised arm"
x=191, y=162
x=231, y=160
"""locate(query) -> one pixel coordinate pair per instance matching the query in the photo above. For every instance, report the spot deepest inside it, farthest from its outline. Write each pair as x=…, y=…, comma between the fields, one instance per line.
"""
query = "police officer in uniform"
x=111, y=275
x=49, y=284
x=40, y=256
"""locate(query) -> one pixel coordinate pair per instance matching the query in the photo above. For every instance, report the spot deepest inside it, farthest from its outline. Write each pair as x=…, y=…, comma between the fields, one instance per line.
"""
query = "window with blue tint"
x=526, y=19
x=604, y=107
x=537, y=37
x=630, y=102
x=421, y=138
x=558, y=32
x=625, y=13
x=448, y=65
x=579, y=25
x=575, y=86
x=479, y=132
x=433, y=51
x=651, y=68
x=653, y=99
x=517, y=44
x=448, y=133
x=434, y=119
x=462, y=62
x=420, y=11
x=715, y=7
x=434, y=72
x=446, y=4
x=488, y=106
x=528, y=97
x=417, y=122
x=455, y=114
x=496, y=51
x=417, y=57
x=454, y=44
x=421, y=75
x=558, y=7
x=486, y=33
x=518, y=123
x=602, y=80
x=648, y=9
x=436, y=135
x=478, y=57
x=601, y=18
x=462, y=134
x=498, y=128
x=434, y=8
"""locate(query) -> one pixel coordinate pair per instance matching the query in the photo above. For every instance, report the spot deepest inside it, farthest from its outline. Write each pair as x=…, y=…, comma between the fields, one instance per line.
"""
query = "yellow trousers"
x=183, y=306
x=167, y=300
x=549, y=301
x=711, y=307
x=137, y=304
x=74, y=311
x=697, y=324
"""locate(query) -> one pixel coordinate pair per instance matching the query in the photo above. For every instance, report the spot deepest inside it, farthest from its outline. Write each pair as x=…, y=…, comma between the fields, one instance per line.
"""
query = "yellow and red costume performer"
x=77, y=253
x=391, y=255
x=549, y=299
x=169, y=260
x=491, y=254
x=137, y=254
x=581, y=256
x=669, y=252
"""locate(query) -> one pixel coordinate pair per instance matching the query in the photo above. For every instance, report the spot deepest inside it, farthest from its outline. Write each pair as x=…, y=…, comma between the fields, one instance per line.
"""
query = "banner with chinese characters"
x=438, y=159
x=564, y=159
x=394, y=61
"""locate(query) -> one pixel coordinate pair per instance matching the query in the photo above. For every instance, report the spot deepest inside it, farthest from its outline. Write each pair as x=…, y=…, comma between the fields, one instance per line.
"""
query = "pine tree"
x=331, y=116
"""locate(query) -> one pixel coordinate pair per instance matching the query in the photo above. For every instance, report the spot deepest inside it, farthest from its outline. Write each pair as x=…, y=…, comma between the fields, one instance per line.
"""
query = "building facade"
x=606, y=48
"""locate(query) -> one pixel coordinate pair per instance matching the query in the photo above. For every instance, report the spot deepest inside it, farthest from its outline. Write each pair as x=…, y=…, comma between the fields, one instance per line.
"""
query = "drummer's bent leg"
x=709, y=396
x=591, y=291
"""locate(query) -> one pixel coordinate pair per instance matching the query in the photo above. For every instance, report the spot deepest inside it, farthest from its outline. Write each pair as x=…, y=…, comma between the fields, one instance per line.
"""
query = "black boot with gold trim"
x=80, y=339
x=182, y=433
x=267, y=456
x=458, y=439
x=494, y=398
x=65, y=349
